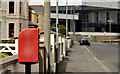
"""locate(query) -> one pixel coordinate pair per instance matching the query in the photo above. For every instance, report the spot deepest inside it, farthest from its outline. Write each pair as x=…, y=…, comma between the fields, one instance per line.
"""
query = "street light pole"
x=57, y=38
x=66, y=27
x=73, y=25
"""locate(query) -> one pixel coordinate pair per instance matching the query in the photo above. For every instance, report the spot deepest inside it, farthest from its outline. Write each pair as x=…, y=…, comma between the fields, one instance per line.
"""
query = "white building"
x=97, y=3
x=13, y=18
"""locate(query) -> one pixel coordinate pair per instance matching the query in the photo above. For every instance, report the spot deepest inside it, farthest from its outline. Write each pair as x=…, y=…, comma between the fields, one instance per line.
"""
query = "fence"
x=43, y=65
x=5, y=47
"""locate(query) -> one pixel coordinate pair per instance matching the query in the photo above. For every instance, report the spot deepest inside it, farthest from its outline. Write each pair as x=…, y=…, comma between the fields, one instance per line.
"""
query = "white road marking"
x=98, y=61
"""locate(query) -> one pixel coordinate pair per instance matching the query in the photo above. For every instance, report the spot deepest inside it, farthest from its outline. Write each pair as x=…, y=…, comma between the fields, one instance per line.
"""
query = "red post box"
x=28, y=46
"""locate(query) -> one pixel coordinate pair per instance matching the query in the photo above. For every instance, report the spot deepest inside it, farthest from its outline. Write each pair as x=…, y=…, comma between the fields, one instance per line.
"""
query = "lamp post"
x=66, y=27
x=57, y=38
x=110, y=22
x=73, y=25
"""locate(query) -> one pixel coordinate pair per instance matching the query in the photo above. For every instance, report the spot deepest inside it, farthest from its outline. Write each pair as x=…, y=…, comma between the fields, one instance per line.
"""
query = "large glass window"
x=11, y=7
x=11, y=30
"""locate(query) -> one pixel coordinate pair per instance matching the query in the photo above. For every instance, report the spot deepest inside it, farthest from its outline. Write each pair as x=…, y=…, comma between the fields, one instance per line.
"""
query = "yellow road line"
x=98, y=61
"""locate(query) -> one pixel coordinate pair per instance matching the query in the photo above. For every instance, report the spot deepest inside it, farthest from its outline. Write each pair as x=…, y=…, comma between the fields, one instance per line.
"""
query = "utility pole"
x=47, y=32
x=66, y=27
x=57, y=38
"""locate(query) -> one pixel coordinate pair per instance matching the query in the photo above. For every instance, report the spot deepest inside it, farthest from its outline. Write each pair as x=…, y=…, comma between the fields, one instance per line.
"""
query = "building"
x=93, y=16
x=14, y=18
x=36, y=15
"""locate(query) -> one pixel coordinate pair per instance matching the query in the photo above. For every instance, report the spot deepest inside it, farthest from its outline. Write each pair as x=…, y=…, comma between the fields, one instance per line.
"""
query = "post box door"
x=28, y=46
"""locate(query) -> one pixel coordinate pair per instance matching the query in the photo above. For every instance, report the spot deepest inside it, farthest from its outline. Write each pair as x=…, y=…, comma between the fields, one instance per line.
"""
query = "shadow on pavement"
x=63, y=65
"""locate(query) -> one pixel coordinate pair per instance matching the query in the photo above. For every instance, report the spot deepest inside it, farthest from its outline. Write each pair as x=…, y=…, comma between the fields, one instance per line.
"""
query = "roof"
x=37, y=8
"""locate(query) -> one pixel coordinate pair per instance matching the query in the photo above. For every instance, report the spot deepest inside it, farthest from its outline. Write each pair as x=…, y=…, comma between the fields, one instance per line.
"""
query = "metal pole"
x=110, y=31
x=66, y=27
x=47, y=31
x=27, y=68
x=110, y=22
x=57, y=38
x=73, y=25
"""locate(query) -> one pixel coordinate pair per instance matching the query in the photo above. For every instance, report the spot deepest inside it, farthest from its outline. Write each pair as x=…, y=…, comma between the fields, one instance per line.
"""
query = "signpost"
x=89, y=35
x=110, y=22
x=104, y=35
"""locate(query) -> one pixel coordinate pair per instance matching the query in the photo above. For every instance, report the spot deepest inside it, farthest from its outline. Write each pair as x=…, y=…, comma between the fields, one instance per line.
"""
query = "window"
x=96, y=17
x=11, y=7
x=107, y=15
x=0, y=3
x=20, y=7
x=37, y=19
x=0, y=29
x=11, y=30
x=30, y=14
x=20, y=27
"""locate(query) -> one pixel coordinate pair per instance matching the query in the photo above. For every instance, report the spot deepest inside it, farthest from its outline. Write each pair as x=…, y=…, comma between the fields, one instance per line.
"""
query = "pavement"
x=82, y=60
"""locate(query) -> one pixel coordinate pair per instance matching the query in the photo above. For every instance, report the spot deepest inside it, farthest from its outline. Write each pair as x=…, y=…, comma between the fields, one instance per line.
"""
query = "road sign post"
x=110, y=22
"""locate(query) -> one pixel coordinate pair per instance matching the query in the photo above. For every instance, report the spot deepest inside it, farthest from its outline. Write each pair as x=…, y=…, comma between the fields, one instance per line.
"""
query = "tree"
x=61, y=27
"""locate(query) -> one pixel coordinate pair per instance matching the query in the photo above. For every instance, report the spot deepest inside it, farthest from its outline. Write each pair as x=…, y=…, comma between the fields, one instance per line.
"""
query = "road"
x=97, y=57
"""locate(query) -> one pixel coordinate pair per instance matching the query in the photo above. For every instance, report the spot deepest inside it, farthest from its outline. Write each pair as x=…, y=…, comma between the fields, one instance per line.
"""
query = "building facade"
x=14, y=18
x=36, y=16
x=91, y=18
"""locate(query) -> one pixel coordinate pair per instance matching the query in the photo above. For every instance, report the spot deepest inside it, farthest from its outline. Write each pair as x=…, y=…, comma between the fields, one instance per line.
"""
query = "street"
x=107, y=54
x=97, y=57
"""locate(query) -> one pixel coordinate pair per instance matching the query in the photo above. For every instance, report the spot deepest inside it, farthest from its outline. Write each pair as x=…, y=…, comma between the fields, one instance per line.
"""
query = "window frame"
x=0, y=4
x=20, y=8
x=10, y=9
x=11, y=30
x=20, y=27
x=37, y=19
x=0, y=28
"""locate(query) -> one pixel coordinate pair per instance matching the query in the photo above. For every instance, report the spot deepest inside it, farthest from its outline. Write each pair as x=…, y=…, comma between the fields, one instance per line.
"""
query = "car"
x=84, y=41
